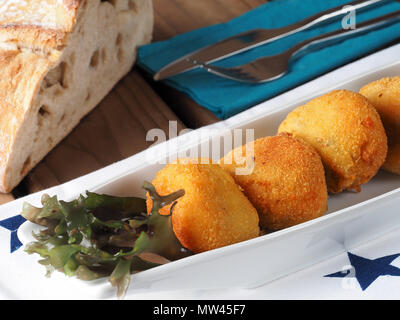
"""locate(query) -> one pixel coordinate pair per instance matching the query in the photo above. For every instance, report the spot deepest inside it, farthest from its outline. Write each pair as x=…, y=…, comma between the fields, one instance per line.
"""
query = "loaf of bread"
x=58, y=60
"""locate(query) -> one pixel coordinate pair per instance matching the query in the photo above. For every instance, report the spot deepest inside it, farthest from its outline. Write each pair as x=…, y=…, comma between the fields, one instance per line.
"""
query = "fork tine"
x=247, y=74
x=235, y=73
x=273, y=67
x=238, y=74
x=229, y=73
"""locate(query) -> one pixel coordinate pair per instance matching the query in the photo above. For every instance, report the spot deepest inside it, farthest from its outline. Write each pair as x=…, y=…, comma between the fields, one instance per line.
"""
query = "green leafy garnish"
x=99, y=235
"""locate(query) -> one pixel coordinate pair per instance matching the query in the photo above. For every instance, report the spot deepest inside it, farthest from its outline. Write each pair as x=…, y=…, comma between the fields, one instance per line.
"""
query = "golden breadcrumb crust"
x=384, y=94
x=287, y=185
x=346, y=130
x=213, y=212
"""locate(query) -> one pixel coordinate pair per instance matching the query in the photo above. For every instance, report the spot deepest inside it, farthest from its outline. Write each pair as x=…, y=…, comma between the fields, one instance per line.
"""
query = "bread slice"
x=58, y=60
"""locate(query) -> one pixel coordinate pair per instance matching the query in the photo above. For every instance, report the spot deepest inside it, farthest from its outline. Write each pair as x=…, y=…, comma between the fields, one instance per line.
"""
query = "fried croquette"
x=346, y=130
x=384, y=94
x=287, y=185
x=213, y=213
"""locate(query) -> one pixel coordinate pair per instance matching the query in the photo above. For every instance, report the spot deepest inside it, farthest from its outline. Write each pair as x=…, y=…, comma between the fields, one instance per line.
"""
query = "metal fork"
x=273, y=67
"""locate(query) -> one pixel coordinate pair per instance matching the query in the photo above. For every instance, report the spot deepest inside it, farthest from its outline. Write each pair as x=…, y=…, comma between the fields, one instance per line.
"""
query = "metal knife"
x=254, y=38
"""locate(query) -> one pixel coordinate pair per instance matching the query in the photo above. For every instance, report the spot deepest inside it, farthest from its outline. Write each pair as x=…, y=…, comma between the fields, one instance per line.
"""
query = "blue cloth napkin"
x=226, y=97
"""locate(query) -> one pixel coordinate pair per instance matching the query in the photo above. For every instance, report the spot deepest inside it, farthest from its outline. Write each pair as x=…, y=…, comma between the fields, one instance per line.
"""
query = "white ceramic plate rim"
x=237, y=121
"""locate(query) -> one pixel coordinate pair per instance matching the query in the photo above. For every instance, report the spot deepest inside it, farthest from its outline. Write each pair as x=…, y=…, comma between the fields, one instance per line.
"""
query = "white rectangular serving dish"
x=352, y=219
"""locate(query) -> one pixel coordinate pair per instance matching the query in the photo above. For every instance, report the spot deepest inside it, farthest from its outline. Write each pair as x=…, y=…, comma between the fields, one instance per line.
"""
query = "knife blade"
x=254, y=38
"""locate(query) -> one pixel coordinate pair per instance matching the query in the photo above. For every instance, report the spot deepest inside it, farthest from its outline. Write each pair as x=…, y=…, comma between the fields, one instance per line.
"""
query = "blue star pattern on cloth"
x=13, y=224
x=366, y=271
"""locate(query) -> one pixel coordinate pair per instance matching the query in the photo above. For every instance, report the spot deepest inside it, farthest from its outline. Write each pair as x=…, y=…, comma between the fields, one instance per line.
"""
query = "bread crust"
x=33, y=36
x=33, y=57
x=47, y=30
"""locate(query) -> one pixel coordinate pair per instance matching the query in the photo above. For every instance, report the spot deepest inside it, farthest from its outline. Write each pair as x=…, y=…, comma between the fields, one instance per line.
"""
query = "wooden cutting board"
x=117, y=128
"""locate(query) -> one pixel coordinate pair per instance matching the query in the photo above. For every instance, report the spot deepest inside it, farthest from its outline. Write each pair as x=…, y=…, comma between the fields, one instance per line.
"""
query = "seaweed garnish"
x=99, y=235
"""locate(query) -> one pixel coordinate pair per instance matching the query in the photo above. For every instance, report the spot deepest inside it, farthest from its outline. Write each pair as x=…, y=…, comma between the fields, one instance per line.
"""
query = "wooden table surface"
x=117, y=128
x=189, y=15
